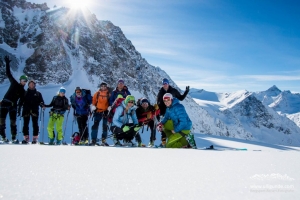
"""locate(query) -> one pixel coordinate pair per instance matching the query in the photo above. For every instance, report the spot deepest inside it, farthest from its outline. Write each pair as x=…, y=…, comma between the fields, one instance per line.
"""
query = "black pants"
x=127, y=136
x=35, y=126
x=82, y=126
x=150, y=124
x=5, y=108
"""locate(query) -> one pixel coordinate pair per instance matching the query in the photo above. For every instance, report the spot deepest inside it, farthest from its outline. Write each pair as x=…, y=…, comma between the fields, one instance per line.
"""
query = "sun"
x=78, y=4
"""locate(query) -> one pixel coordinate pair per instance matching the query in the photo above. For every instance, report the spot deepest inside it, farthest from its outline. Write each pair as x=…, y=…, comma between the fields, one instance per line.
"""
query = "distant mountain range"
x=60, y=47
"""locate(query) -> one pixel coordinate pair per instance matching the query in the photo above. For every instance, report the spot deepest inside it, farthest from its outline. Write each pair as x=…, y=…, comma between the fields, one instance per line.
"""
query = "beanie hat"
x=168, y=96
x=129, y=98
x=77, y=88
x=24, y=77
x=120, y=96
x=103, y=83
x=31, y=81
x=62, y=89
x=144, y=101
x=121, y=81
x=165, y=81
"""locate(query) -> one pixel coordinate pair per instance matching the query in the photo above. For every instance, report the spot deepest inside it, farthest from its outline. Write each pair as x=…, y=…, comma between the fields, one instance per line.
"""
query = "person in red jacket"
x=147, y=115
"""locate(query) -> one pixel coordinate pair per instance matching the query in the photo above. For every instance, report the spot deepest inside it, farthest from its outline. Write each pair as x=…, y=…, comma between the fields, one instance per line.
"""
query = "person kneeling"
x=176, y=124
x=121, y=126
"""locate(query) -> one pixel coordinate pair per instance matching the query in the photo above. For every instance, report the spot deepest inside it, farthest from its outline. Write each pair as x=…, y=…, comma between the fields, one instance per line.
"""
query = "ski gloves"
x=156, y=107
x=126, y=128
x=159, y=127
x=6, y=58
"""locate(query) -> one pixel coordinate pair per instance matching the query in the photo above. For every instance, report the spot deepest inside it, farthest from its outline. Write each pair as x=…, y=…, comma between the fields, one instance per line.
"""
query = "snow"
x=80, y=172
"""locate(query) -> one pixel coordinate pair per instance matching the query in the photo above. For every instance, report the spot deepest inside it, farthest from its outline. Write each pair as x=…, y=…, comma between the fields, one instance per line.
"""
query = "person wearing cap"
x=99, y=106
x=59, y=106
x=31, y=102
x=80, y=102
x=146, y=114
x=8, y=104
x=166, y=88
x=122, y=127
x=176, y=124
x=120, y=89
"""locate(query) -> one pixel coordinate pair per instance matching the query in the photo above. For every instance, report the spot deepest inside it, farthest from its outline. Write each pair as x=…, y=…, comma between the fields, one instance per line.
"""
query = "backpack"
x=88, y=95
x=112, y=111
x=75, y=138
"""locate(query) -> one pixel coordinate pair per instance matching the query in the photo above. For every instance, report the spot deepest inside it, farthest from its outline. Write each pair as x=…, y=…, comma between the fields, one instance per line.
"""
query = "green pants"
x=57, y=119
x=174, y=140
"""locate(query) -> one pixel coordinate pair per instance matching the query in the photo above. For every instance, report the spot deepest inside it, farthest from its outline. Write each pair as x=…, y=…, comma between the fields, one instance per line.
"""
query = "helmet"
x=24, y=77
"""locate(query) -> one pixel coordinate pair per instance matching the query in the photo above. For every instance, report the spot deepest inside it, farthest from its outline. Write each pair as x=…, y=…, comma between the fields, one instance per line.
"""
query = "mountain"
x=247, y=110
x=64, y=47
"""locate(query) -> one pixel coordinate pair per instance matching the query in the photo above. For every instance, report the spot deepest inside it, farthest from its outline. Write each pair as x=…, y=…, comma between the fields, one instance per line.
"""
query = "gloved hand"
x=109, y=108
x=156, y=107
x=187, y=89
x=136, y=128
x=159, y=127
x=149, y=115
x=125, y=128
x=92, y=107
x=6, y=58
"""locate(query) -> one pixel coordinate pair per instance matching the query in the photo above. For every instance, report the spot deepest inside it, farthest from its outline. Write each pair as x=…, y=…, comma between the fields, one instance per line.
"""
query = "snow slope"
x=78, y=172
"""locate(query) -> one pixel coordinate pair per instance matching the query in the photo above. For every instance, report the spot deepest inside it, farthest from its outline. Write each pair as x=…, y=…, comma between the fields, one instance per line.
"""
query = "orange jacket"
x=101, y=98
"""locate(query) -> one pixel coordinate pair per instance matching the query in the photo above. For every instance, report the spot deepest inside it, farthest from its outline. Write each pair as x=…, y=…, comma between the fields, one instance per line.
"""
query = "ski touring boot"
x=163, y=143
x=104, y=143
x=26, y=139
x=51, y=141
x=58, y=142
x=151, y=144
x=191, y=140
x=117, y=143
x=35, y=140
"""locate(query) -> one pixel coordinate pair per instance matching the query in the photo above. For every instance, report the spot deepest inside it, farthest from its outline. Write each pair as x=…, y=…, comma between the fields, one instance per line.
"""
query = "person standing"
x=121, y=89
x=166, y=88
x=30, y=103
x=59, y=106
x=146, y=114
x=176, y=124
x=125, y=123
x=81, y=102
x=99, y=106
x=15, y=92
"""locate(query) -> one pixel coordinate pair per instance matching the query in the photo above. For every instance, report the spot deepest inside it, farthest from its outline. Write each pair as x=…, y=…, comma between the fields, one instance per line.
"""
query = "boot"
x=151, y=144
x=51, y=141
x=104, y=142
x=163, y=143
x=58, y=142
x=93, y=143
x=26, y=139
x=35, y=139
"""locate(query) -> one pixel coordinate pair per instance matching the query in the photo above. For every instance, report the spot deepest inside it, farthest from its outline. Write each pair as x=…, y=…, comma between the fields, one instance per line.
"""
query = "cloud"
x=270, y=77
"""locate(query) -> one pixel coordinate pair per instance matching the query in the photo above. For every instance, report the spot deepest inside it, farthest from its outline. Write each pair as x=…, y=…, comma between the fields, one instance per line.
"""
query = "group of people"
x=117, y=109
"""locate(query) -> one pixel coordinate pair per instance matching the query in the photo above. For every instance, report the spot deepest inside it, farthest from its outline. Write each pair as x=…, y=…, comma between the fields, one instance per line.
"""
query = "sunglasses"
x=78, y=92
x=167, y=100
x=145, y=103
x=103, y=86
x=165, y=83
x=130, y=102
x=23, y=80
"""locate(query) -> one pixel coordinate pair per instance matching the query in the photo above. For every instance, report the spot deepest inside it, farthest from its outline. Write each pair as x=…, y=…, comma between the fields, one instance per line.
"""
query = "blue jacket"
x=121, y=118
x=176, y=112
x=80, y=105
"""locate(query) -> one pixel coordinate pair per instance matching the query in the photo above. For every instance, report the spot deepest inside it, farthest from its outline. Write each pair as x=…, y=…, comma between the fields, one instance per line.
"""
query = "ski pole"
x=66, y=125
x=43, y=127
x=40, y=122
x=20, y=135
x=84, y=129
x=72, y=129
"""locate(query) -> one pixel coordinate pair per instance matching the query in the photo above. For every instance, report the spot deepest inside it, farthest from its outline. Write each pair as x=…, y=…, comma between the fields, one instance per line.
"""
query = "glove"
x=136, y=128
x=159, y=127
x=109, y=108
x=92, y=107
x=149, y=115
x=6, y=58
x=187, y=89
x=156, y=107
x=125, y=128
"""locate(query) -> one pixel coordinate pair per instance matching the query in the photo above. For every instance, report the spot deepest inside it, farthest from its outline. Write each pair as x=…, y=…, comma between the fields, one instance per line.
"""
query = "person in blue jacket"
x=176, y=124
x=122, y=127
x=81, y=102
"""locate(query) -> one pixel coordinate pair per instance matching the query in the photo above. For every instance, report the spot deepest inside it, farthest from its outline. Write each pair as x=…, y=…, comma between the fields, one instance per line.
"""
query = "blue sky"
x=216, y=45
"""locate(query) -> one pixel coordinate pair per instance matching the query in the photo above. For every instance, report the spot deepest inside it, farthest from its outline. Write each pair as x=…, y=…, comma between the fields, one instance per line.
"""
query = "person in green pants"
x=59, y=106
x=176, y=124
